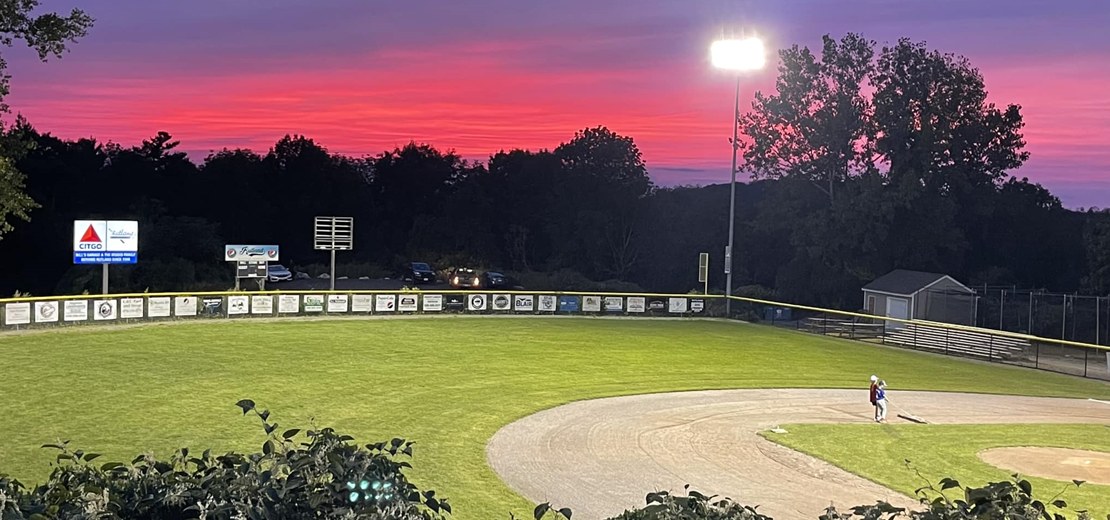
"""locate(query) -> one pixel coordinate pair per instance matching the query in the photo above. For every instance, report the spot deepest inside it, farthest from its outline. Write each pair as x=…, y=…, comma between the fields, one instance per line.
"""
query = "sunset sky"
x=360, y=76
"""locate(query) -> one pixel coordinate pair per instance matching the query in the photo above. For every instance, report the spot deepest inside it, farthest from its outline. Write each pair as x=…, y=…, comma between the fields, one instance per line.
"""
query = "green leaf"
x=268, y=447
x=110, y=466
x=246, y=404
x=90, y=456
x=1059, y=504
x=541, y=510
x=1026, y=487
x=948, y=483
x=264, y=415
x=1078, y=482
x=566, y=512
x=289, y=434
x=270, y=428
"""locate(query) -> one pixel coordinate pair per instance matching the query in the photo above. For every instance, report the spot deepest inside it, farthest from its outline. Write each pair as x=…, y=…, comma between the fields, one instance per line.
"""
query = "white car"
x=278, y=273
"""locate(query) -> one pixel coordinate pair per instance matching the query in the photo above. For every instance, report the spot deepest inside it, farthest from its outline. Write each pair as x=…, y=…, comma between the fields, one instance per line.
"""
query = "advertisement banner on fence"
x=105, y=310
x=184, y=306
x=362, y=302
x=385, y=303
x=408, y=303
x=548, y=303
x=46, y=312
x=524, y=303
x=337, y=303
x=289, y=304
x=212, y=306
x=237, y=305
x=131, y=308
x=476, y=302
x=158, y=307
x=17, y=313
x=676, y=305
x=432, y=302
x=591, y=304
x=568, y=304
x=314, y=303
x=614, y=304
x=456, y=302
x=76, y=310
x=697, y=305
x=262, y=304
x=657, y=305
x=637, y=304
x=502, y=302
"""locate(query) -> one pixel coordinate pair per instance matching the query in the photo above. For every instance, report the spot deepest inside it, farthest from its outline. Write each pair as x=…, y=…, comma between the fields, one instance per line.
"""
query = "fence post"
x=824, y=324
x=990, y=349
x=946, y=331
x=1086, y=353
x=1037, y=359
x=1064, y=327
x=852, y=331
x=772, y=316
x=1001, y=308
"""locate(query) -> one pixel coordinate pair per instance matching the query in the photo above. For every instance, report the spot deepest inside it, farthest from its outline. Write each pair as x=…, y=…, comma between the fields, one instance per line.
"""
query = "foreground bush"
x=326, y=476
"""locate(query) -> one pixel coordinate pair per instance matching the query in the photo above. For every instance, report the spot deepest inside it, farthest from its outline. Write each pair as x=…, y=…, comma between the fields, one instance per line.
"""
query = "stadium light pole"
x=740, y=56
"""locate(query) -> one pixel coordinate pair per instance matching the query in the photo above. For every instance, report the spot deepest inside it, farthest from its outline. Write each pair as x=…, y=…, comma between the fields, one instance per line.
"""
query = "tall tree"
x=816, y=125
x=48, y=35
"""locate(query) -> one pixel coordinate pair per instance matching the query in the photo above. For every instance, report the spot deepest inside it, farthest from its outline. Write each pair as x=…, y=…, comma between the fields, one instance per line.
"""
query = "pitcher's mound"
x=1053, y=463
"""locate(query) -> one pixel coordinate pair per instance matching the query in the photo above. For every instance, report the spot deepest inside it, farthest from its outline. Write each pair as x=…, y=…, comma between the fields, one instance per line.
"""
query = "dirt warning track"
x=603, y=456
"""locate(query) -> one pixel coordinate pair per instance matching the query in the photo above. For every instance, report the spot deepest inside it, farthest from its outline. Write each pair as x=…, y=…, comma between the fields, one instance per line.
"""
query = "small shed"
x=921, y=296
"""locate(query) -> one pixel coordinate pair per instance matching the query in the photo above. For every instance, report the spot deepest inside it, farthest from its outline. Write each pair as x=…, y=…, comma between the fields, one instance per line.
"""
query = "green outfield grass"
x=447, y=383
x=877, y=453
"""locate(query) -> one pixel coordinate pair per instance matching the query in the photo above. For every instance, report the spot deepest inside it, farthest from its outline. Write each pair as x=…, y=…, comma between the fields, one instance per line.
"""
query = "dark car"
x=420, y=272
x=496, y=280
x=463, y=278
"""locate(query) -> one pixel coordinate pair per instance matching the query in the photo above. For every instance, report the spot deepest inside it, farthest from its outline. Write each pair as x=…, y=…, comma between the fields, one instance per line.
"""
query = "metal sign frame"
x=703, y=270
x=333, y=234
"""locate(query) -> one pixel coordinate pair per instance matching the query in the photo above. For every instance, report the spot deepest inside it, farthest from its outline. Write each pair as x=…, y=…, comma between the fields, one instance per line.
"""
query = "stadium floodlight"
x=741, y=55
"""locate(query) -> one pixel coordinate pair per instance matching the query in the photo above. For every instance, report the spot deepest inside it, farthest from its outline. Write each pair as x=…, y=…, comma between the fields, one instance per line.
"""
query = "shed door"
x=897, y=308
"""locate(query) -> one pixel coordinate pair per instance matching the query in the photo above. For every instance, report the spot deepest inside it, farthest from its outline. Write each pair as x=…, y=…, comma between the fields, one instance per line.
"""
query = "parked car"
x=278, y=273
x=496, y=280
x=463, y=278
x=419, y=272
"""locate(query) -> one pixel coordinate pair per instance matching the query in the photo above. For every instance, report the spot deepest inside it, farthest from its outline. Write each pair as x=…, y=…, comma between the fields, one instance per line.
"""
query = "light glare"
x=746, y=54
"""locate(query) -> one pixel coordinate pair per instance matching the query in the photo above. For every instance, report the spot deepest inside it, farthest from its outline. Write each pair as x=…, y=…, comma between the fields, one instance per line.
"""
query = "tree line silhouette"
x=865, y=159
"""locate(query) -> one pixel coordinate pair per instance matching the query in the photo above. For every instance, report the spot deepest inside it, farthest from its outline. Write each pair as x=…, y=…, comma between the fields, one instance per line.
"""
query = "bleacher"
x=957, y=342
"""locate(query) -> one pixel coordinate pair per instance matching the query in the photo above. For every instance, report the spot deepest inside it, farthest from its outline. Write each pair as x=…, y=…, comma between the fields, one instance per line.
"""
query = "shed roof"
x=903, y=282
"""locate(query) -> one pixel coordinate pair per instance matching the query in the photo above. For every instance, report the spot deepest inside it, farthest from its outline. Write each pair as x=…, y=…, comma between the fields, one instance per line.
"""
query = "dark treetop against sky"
x=360, y=76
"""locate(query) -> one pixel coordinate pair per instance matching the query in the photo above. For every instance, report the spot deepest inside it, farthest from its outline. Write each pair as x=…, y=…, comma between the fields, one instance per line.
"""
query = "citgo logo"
x=90, y=241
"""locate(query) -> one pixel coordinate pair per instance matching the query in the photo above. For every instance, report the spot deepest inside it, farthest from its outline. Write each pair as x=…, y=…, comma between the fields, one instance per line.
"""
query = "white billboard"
x=433, y=302
x=337, y=303
x=262, y=304
x=17, y=313
x=408, y=303
x=289, y=304
x=158, y=307
x=131, y=308
x=105, y=310
x=105, y=241
x=237, y=305
x=46, y=312
x=385, y=303
x=76, y=310
x=362, y=302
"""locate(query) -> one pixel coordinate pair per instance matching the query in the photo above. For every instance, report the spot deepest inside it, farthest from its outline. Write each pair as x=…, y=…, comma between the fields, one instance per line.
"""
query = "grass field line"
x=449, y=384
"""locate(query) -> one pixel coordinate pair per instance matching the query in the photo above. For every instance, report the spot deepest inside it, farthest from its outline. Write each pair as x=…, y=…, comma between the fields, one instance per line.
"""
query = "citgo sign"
x=105, y=241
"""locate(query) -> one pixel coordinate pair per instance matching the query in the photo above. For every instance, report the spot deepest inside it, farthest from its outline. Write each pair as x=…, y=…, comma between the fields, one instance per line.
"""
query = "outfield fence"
x=1068, y=357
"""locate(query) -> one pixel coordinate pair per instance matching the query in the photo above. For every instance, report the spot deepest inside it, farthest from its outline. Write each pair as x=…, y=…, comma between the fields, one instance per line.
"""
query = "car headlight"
x=475, y=282
x=456, y=281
